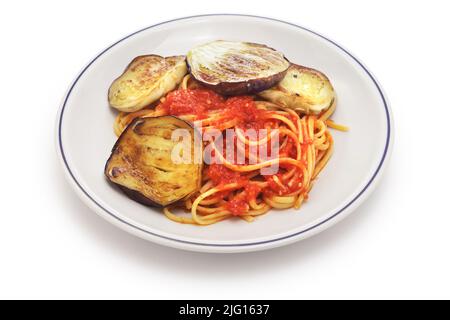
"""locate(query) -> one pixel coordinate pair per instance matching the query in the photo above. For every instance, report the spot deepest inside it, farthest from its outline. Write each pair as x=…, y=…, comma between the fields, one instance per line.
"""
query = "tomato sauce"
x=252, y=191
x=199, y=102
x=221, y=175
x=196, y=102
x=240, y=204
x=244, y=110
x=237, y=207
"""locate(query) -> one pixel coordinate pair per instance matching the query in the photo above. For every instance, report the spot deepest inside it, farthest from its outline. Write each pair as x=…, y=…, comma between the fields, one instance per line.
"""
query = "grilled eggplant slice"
x=141, y=162
x=145, y=80
x=233, y=68
x=302, y=89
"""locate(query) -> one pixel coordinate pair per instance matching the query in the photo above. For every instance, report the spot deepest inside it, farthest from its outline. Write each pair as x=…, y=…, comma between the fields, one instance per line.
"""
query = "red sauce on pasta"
x=200, y=102
x=197, y=102
x=240, y=112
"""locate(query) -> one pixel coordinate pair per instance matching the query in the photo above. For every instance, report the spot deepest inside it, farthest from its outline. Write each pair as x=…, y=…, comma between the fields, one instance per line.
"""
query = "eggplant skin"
x=145, y=80
x=141, y=165
x=303, y=89
x=236, y=68
x=246, y=87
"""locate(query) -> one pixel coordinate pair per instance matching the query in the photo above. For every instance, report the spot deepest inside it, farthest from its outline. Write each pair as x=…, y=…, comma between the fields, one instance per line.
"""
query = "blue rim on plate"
x=371, y=180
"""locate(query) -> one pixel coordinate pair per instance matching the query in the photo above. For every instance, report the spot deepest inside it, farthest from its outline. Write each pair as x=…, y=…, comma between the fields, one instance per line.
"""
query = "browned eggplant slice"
x=142, y=163
x=145, y=80
x=303, y=89
x=233, y=68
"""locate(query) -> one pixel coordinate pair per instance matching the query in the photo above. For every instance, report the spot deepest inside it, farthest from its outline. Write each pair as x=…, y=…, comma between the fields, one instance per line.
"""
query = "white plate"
x=85, y=136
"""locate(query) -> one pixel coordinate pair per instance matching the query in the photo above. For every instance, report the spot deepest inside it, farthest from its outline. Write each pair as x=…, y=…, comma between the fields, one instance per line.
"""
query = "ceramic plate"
x=85, y=136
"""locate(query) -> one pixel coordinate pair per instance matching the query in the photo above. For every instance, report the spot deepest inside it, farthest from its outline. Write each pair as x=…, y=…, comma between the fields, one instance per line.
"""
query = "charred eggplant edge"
x=136, y=195
x=245, y=87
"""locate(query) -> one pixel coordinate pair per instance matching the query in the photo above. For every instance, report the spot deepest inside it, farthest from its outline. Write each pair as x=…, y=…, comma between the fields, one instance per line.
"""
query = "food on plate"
x=303, y=89
x=145, y=80
x=141, y=163
x=234, y=68
x=279, y=163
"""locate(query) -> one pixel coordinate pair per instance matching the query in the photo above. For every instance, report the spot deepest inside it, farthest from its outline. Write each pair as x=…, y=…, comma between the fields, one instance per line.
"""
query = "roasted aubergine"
x=142, y=165
x=145, y=80
x=233, y=68
x=303, y=89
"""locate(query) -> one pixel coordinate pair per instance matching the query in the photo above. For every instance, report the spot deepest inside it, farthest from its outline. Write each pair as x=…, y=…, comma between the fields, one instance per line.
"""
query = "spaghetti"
x=240, y=190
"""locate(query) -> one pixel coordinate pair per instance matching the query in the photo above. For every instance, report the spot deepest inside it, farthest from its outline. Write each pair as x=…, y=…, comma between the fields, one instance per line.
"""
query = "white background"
x=396, y=245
